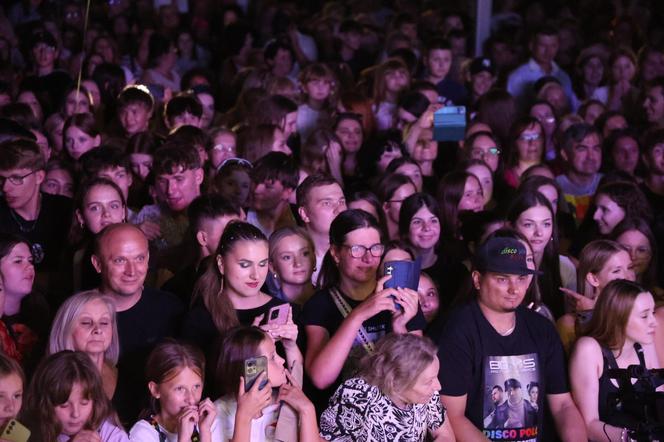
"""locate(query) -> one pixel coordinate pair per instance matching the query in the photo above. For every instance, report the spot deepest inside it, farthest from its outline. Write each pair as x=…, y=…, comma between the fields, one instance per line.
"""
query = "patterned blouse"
x=360, y=412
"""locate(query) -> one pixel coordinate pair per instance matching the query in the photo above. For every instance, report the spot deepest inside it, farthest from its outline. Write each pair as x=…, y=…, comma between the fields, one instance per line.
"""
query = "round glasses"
x=358, y=251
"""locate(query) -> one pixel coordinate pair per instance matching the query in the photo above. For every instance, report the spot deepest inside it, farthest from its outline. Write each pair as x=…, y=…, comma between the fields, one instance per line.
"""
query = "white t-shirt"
x=262, y=429
x=144, y=431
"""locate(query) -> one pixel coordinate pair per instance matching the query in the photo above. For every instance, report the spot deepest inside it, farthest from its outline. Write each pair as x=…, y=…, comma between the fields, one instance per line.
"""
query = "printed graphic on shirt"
x=511, y=397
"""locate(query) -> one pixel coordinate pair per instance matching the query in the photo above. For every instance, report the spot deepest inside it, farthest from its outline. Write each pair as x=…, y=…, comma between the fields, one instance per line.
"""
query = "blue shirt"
x=521, y=80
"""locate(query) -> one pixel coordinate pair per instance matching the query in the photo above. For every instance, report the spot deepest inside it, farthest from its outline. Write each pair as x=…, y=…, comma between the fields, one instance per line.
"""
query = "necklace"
x=509, y=330
x=23, y=225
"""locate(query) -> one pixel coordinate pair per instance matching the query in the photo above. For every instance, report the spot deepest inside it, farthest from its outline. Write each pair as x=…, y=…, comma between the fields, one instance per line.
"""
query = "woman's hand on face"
x=206, y=414
x=286, y=333
x=409, y=301
x=86, y=436
x=581, y=303
x=251, y=403
x=187, y=420
x=292, y=394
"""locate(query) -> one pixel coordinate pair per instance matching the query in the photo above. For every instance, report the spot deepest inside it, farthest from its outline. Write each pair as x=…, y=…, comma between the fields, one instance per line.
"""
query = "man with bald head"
x=145, y=316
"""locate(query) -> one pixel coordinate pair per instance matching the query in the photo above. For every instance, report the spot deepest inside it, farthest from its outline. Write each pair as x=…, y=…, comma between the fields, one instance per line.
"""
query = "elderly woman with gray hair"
x=393, y=397
x=86, y=322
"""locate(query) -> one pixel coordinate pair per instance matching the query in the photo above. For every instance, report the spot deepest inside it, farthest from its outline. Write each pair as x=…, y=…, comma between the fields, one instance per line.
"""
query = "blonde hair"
x=397, y=362
x=593, y=258
x=65, y=319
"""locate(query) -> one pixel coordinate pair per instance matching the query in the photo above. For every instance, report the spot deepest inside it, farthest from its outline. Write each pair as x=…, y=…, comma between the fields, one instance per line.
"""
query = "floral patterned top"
x=360, y=412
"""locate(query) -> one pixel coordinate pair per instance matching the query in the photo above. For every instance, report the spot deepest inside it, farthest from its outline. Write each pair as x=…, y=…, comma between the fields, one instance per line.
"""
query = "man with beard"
x=581, y=149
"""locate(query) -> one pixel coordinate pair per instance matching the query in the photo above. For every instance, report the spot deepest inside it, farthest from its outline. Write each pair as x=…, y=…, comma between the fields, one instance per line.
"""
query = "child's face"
x=276, y=373
x=135, y=117
x=481, y=83
x=318, y=89
x=428, y=297
x=439, y=62
x=74, y=414
x=178, y=393
x=396, y=81
x=77, y=102
x=235, y=187
x=11, y=397
x=120, y=176
x=141, y=164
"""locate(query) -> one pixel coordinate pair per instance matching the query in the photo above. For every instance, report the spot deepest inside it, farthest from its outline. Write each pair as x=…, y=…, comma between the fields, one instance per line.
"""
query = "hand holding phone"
x=253, y=367
x=278, y=315
x=404, y=274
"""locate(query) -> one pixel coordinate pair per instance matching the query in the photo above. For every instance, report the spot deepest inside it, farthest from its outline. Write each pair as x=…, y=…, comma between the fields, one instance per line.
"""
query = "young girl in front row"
x=268, y=411
x=66, y=402
x=11, y=389
x=174, y=372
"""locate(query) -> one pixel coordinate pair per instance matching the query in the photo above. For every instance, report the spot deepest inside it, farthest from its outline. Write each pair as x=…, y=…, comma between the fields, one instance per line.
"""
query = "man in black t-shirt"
x=42, y=219
x=145, y=316
x=493, y=340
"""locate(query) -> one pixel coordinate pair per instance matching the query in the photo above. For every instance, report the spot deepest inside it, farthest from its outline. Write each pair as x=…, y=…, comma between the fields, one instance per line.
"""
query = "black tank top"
x=608, y=396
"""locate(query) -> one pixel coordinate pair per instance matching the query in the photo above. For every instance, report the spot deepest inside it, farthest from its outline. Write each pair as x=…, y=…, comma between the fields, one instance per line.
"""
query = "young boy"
x=274, y=177
x=135, y=107
x=438, y=58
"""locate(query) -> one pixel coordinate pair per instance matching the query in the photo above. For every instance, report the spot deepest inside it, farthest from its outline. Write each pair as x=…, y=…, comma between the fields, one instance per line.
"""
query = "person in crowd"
x=480, y=78
x=223, y=147
x=581, y=149
x=321, y=153
x=543, y=46
x=526, y=149
x=600, y=262
x=495, y=330
x=274, y=177
x=483, y=145
x=58, y=179
x=25, y=311
x=636, y=236
x=391, y=78
x=319, y=94
x=77, y=101
x=623, y=152
x=208, y=217
x=532, y=215
x=274, y=404
x=616, y=202
x=99, y=203
x=233, y=181
x=229, y=292
x=292, y=261
x=394, y=392
x=41, y=218
x=624, y=318
x=590, y=73
x=175, y=374
x=420, y=228
x=86, y=322
x=135, y=106
x=183, y=109
x=257, y=141
x=348, y=127
x=368, y=201
x=620, y=91
x=653, y=103
x=162, y=57
x=320, y=199
x=66, y=401
x=12, y=385
x=429, y=297
x=337, y=319
x=80, y=135
x=543, y=112
x=483, y=173
x=144, y=315
x=410, y=168
x=393, y=189
x=438, y=58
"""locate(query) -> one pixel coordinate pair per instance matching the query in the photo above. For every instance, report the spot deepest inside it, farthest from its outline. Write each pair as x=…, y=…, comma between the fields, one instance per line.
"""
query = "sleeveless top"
x=608, y=395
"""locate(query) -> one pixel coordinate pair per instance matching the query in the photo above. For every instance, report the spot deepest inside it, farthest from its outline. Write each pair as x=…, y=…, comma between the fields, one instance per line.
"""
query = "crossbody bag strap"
x=345, y=310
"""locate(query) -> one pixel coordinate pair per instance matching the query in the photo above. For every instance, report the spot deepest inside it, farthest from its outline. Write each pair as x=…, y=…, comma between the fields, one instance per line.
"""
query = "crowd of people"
x=202, y=205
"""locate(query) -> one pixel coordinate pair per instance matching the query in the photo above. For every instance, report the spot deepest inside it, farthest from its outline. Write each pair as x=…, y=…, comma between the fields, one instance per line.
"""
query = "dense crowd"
x=242, y=221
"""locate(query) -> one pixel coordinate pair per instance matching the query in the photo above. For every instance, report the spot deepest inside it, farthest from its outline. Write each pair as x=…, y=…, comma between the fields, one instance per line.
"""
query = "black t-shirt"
x=47, y=234
x=157, y=315
x=198, y=326
x=474, y=358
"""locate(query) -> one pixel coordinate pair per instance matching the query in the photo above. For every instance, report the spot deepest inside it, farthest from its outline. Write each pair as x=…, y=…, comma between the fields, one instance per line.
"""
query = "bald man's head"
x=121, y=258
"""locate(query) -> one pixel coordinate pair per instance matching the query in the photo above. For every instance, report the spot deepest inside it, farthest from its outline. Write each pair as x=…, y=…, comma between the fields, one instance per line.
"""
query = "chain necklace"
x=23, y=225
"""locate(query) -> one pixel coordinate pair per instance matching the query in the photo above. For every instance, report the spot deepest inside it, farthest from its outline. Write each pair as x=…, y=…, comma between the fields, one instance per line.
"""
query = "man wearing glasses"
x=42, y=219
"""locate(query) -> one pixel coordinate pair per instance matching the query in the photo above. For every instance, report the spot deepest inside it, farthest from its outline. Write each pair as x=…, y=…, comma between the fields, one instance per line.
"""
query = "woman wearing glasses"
x=526, y=149
x=353, y=310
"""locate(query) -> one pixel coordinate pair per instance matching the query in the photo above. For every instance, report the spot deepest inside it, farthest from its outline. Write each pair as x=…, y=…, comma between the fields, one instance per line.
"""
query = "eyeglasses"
x=358, y=251
x=481, y=153
x=529, y=137
x=223, y=148
x=16, y=180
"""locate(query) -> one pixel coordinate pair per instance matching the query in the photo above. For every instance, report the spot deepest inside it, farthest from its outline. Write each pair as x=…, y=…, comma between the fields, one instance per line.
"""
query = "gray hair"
x=61, y=331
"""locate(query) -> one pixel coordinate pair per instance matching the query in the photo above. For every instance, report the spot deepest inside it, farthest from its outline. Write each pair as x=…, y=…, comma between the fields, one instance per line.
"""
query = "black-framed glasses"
x=358, y=251
x=16, y=180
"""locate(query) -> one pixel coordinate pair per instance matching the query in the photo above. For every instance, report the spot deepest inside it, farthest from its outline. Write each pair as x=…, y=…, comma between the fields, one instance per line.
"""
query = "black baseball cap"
x=481, y=64
x=503, y=255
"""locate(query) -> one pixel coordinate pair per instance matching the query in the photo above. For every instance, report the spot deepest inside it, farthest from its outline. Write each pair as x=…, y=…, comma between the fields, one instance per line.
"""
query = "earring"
x=275, y=276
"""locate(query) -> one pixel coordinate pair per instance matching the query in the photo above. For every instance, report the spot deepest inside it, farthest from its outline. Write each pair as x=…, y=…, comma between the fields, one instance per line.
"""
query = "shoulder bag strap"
x=345, y=310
